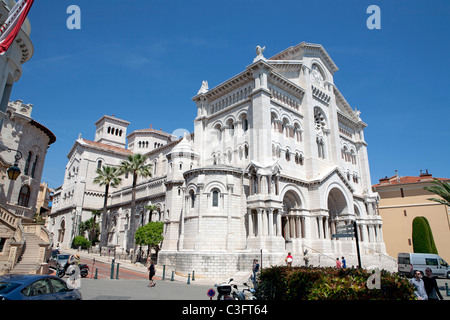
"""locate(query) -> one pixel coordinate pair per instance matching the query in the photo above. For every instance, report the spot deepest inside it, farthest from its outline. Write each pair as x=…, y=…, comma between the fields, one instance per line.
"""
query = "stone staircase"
x=29, y=261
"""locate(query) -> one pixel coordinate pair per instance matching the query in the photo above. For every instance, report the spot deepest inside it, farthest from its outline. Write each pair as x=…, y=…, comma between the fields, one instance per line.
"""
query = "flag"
x=13, y=23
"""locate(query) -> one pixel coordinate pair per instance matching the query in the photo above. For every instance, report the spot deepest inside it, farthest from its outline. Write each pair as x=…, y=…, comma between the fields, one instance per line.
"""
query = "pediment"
x=304, y=49
x=322, y=178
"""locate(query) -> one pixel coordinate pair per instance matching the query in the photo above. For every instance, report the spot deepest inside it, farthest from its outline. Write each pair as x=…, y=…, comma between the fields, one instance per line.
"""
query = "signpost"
x=211, y=293
x=349, y=231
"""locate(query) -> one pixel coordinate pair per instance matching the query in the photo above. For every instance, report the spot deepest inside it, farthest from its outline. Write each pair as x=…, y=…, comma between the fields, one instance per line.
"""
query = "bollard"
x=189, y=278
x=193, y=276
x=171, y=279
x=447, y=289
x=112, y=269
x=164, y=272
x=117, y=271
x=96, y=273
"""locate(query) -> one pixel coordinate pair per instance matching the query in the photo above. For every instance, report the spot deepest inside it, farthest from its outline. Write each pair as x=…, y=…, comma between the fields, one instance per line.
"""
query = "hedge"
x=80, y=241
x=423, y=241
x=316, y=283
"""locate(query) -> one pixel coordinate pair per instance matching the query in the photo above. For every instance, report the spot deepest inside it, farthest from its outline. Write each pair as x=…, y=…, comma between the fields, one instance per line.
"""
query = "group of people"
x=426, y=287
x=341, y=264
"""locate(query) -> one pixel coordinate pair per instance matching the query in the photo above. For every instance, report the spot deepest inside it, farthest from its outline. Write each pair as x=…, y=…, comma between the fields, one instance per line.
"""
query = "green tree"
x=80, y=241
x=150, y=235
x=423, y=241
x=442, y=189
x=151, y=208
x=136, y=166
x=106, y=176
x=92, y=229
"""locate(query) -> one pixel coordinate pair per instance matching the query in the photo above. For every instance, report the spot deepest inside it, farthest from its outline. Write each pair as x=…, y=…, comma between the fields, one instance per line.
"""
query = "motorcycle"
x=224, y=290
x=84, y=270
x=241, y=295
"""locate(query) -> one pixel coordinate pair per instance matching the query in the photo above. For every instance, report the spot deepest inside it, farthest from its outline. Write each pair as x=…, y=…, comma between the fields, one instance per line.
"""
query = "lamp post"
x=14, y=171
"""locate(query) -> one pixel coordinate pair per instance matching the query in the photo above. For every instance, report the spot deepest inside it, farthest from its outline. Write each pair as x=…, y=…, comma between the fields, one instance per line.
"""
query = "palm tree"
x=151, y=208
x=137, y=167
x=106, y=176
x=442, y=189
x=95, y=214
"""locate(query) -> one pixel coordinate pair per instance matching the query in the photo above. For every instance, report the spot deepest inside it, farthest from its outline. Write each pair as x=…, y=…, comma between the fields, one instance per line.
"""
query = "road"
x=137, y=289
x=104, y=271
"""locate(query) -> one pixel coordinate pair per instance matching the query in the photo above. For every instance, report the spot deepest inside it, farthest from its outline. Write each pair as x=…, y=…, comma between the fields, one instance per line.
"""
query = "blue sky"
x=143, y=61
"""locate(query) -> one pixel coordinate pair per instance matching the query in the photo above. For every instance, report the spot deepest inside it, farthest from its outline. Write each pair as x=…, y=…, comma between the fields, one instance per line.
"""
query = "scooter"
x=241, y=295
x=224, y=290
x=84, y=270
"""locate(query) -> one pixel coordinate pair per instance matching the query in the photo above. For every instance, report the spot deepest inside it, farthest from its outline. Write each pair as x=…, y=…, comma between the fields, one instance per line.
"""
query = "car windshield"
x=63, y=257
x=6, y=287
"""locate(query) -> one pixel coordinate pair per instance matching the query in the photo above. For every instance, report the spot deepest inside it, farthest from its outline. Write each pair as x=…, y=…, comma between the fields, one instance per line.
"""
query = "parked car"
x=35, y=287
x=59, y=261
x=409, y=262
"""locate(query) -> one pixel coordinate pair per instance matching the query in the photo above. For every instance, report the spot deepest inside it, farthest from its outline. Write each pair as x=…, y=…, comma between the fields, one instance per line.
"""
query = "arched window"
x=245, y=124
x=99, y=164
x=192, y=196
x=27, y=163
x=33, y=169
x=215, y=198
x=24, y=196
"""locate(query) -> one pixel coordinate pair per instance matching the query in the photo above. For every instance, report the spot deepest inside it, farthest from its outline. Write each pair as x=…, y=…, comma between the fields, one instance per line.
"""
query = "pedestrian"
x=73, y=271
x=255, y=269
x=338, y=263
x=151, y=273
x=431, y=286
x=344, y=263
x=289, y=260
x=306, y=257
x=417, y=281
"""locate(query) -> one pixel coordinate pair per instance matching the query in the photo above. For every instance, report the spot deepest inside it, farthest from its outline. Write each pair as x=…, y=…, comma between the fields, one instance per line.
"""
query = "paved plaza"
x=106, y=289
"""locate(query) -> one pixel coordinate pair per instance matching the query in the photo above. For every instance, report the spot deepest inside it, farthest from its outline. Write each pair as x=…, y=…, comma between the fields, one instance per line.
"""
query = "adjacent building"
x=29, y=140
x=276, y=162
x=404, y=198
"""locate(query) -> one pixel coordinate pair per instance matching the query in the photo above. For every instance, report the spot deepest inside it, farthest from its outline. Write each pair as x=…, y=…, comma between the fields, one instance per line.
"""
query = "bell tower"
x=111, y=130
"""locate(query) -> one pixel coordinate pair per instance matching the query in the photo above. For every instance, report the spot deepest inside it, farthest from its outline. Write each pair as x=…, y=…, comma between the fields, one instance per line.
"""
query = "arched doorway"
x=337, y=207
x=291, y=222
x=61, y=231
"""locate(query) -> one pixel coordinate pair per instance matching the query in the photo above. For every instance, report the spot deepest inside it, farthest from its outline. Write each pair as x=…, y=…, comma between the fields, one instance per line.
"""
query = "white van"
x=408, y=262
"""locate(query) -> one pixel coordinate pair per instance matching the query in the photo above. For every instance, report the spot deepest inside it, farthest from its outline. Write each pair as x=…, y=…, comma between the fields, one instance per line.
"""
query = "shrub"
x=80, y=241
x=304, y=283
x=423, y=241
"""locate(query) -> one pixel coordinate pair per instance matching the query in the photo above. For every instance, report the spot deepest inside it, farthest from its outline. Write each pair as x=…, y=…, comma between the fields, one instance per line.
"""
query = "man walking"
x=417, y=281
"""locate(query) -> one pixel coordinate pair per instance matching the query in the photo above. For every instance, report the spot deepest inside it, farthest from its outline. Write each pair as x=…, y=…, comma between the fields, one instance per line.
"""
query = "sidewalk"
x=139, y=267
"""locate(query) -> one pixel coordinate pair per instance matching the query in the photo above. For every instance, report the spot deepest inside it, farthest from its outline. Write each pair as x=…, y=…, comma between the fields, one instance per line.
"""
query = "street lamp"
x=14, y=171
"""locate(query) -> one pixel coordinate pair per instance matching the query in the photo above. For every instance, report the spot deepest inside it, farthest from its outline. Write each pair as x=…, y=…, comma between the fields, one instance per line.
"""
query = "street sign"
x=211, y=293
x=344, y=228
x=343, y=235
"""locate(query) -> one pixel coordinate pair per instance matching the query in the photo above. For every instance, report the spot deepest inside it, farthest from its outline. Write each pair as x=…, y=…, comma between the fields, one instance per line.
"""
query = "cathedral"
x=276, y=162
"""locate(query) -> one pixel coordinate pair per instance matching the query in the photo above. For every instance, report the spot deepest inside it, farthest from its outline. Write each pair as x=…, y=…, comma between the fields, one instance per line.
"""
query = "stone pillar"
x=270, y=221
x=259, y=223
x=279, y=233
x=250, y=223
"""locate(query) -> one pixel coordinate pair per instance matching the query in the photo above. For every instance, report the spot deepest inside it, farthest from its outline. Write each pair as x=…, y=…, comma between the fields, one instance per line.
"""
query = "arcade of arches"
x=292, y=221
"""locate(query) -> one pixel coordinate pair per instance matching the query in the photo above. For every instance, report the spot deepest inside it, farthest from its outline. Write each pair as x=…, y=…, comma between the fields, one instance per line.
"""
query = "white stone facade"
x=19, y=132
x=276, y=161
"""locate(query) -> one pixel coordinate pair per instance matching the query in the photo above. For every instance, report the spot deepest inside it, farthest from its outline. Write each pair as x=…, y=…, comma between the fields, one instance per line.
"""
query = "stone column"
x=259, y=223
x=270, y=221
x=279, y=233
x=250, y=223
